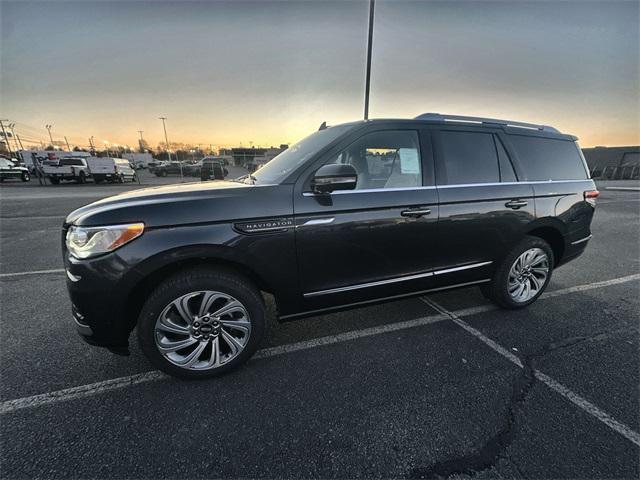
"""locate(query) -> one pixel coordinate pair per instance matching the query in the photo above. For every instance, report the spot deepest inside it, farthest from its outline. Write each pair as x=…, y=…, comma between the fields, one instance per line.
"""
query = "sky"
x=271, y=72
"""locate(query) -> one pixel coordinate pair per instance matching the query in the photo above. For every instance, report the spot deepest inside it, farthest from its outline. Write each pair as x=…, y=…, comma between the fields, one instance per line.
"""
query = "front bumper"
x=99, y=290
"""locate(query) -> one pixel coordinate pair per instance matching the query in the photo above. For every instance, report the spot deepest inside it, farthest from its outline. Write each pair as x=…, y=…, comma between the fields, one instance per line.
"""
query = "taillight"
x=590, y=196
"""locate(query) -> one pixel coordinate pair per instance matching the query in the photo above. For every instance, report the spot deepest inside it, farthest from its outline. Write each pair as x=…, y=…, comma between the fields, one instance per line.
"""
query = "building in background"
x=613, y=162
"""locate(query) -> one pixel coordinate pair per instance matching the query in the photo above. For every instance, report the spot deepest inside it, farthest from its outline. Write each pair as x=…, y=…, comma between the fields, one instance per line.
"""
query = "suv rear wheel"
x=522, y=276
x=201, y=323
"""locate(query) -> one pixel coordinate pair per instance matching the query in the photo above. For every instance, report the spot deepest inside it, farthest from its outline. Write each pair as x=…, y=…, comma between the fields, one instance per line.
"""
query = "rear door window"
x=469, y=157
x=545, y=159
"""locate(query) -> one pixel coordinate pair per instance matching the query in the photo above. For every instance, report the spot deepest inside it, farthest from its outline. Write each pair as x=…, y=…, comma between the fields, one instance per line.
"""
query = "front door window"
x=388, y=159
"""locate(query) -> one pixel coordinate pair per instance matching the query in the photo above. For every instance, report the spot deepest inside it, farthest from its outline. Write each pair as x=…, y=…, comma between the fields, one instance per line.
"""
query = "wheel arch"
x=551, y=231
x=174, y=263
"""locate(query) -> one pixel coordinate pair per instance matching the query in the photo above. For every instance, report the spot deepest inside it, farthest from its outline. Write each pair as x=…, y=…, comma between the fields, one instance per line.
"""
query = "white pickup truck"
x=66, y=168
x=82, y=169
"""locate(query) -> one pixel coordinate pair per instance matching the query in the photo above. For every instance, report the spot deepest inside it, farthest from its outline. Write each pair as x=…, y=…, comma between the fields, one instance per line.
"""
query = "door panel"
x=350, y=239
x=377, y=240
x=477, y=226
x=483, y=211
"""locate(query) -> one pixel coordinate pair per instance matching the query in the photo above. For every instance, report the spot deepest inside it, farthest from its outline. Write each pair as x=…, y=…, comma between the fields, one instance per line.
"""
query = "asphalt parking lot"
x=437, y=386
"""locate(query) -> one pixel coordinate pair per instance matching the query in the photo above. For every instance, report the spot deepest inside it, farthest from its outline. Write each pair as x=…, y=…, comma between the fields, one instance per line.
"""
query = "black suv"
x=353, y=214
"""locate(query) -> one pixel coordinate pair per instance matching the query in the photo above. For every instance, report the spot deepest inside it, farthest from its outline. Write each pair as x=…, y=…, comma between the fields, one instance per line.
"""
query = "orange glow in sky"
x=226, y=73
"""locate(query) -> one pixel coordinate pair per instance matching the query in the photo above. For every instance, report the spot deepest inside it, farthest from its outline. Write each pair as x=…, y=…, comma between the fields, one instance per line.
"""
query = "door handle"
x=516, y=204
x=415, y=212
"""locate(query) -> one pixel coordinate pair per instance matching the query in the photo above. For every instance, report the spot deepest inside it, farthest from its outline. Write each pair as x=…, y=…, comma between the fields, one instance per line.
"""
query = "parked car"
x=192, y=169
x=169, y=168
x=9, y=169
x=111, y=169
x=353, y=214
x=66, y=168
x=213, y=168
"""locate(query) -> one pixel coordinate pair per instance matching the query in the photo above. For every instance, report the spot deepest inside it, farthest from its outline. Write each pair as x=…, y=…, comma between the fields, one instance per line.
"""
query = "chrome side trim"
x=585, y=239
x=393, y=280
x=382, y=299
x=403, y=189
x=494, y=184
x=464, y=267
x=367, y=285
x=370, y=190
x=317, y=221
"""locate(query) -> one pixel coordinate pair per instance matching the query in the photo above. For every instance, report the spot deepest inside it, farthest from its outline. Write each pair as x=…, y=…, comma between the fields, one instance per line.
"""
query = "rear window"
x=469, y=157
x=548, y=158
x=71, y=161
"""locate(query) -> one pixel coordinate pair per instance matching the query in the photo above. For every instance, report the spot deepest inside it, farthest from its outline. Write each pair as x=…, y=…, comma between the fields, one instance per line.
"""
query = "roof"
x=510, y=126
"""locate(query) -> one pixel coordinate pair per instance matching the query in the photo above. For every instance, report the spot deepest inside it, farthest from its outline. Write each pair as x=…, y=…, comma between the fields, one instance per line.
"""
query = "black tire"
x=82, y=178
x=54, y=180
x=497, y=290
x=194, y=280
x=25, y=177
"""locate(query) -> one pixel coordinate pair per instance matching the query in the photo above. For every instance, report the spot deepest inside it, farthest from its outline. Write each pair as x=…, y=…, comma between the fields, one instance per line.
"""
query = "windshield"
x=282, y=165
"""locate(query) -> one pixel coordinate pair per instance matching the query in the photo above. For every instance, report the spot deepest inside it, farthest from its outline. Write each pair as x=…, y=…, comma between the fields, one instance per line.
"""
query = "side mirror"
x=335, y=176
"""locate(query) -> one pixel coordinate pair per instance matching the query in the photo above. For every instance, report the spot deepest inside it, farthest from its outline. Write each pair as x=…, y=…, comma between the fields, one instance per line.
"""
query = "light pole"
x=48, y=127
x=141, y=141
x=13, y=133
x=166, y=141
x=372, y=5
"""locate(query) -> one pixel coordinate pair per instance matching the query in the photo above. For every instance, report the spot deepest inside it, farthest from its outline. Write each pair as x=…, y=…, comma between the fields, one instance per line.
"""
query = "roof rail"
x=437, y=117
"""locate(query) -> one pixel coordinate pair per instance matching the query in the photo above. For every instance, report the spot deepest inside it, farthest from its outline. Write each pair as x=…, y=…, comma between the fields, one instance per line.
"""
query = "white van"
x=111, y=169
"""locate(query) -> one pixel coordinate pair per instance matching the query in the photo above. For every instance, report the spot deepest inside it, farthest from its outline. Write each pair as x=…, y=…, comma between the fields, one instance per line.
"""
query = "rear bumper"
x=574, y=248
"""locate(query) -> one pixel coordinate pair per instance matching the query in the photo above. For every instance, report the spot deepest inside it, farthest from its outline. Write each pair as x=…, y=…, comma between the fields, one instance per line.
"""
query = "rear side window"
x=548, y=158
x=469, y=157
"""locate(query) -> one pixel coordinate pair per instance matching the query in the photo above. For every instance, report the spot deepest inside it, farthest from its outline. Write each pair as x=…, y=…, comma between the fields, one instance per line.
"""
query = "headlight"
x=85, y=242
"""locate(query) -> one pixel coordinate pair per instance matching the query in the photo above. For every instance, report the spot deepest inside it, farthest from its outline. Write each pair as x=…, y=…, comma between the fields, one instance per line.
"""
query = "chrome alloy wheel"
x=528, y=275
x=202, y=330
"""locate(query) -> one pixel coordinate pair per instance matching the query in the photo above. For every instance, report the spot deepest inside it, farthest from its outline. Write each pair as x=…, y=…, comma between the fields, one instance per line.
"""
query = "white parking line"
x=554, y=385
x=27, y=217
x=9, y=406
x=32, y=272
x=624, y=189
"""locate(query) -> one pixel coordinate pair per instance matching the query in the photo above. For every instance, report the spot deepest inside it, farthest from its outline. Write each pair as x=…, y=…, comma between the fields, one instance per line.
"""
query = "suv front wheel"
x=523, y=274
x=201, y=323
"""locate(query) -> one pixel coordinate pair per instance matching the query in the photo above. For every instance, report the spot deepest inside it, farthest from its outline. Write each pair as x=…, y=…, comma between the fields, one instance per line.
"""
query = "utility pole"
x=20, y=142
x=166, y=141
x=6, y=139
x=13, y=133
x=48, y=127
x=372, y=4
x=67, y=142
